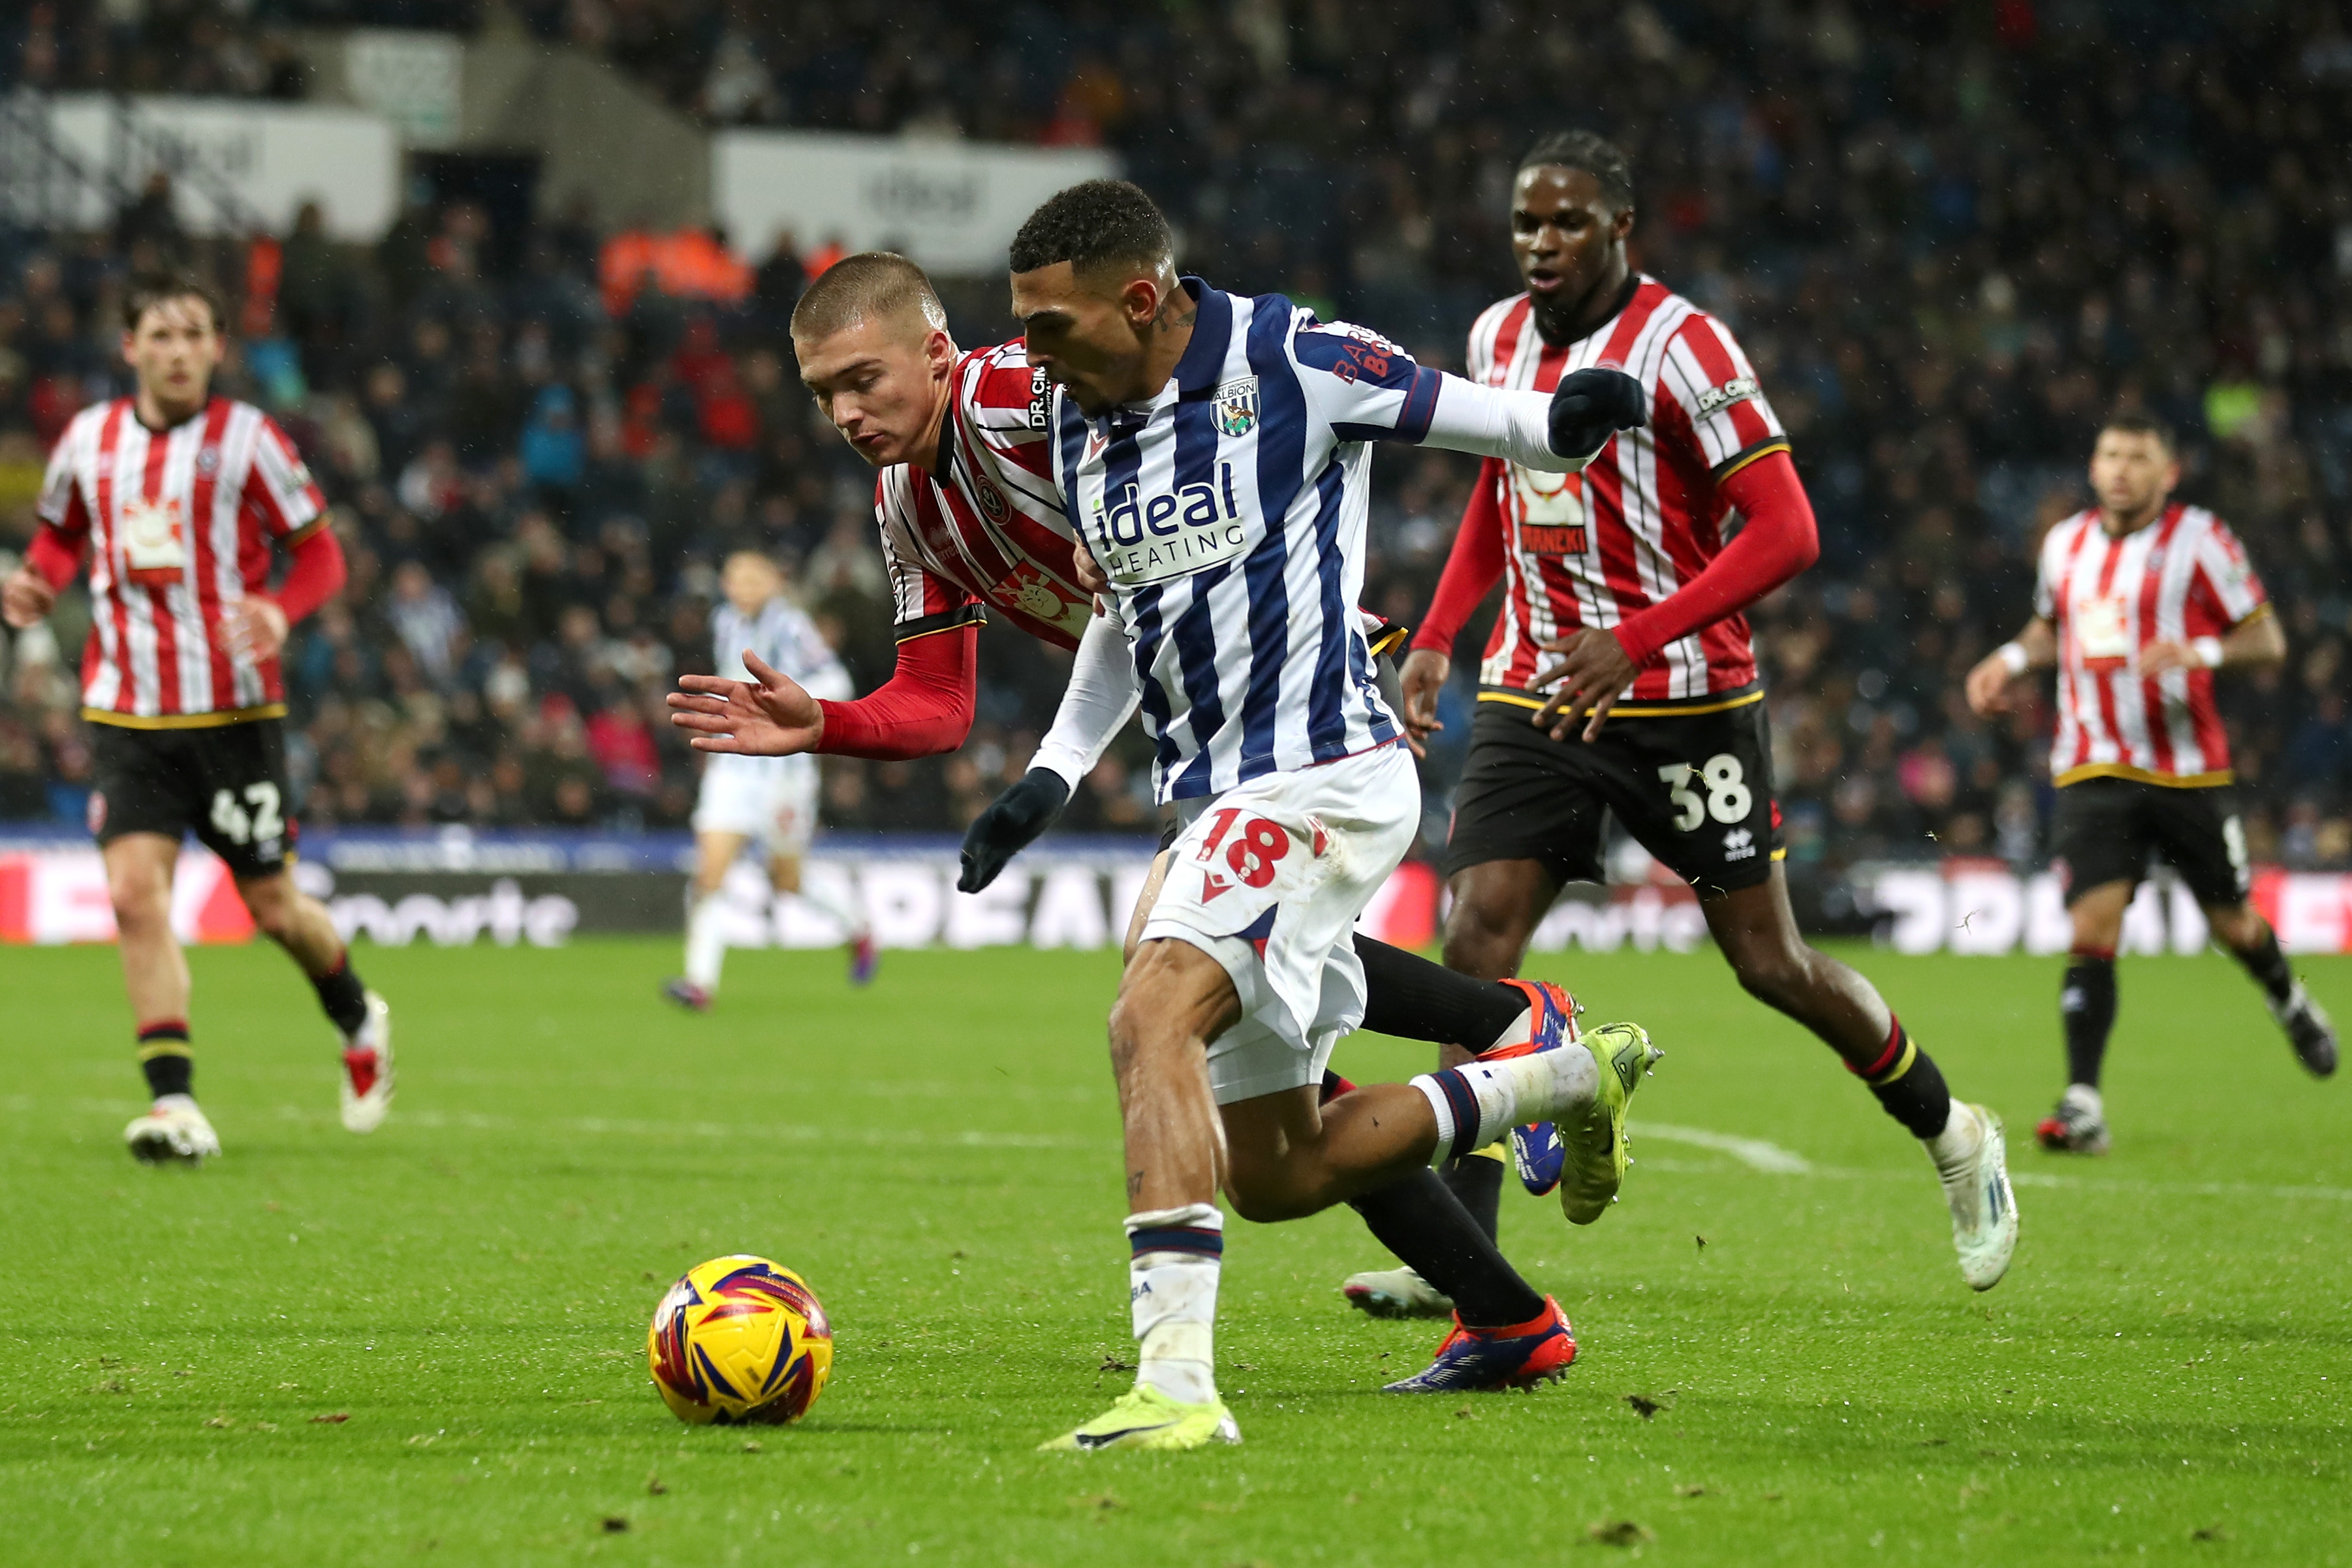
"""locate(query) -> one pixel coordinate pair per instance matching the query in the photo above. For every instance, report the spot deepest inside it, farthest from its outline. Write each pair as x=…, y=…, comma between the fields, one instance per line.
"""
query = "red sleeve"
x=54, y=556
x=316, y=576
x=1779, y=541
x=1472, y=567
x=924, y=709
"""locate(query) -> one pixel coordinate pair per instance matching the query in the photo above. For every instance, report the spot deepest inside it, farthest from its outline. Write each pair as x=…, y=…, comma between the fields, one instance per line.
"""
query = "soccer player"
x=174, y=498
x=1215, y=450
x=970, y=521
x=1619, y=676
x=2139, y=601
x=769, y=800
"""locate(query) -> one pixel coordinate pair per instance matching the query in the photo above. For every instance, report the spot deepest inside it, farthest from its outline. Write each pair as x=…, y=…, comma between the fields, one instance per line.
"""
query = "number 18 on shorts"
x=1268, y=879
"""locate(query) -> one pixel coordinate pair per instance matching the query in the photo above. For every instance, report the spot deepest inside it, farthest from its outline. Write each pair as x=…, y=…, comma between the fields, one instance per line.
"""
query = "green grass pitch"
x=428, y=1345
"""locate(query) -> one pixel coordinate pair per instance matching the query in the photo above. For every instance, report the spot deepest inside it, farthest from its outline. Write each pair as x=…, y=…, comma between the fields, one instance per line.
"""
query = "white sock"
x=1173, y=1291
x=1475, y=1104
x=175, y=1103
x=705, y=941
x=837, y=910
x=1957, y=1144
x=2083, y=1097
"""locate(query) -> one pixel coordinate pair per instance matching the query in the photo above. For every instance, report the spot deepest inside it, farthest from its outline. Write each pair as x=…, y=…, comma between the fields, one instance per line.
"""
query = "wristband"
x=2012, y=656
x=2208, y=651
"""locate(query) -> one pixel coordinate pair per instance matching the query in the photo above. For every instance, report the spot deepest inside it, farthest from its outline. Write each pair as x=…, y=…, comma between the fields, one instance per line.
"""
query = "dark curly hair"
x=1597, y=156
x=1094, y=223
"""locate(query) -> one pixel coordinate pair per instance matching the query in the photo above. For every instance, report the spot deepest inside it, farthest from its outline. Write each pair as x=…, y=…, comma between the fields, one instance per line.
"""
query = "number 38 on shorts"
x=1716, y=788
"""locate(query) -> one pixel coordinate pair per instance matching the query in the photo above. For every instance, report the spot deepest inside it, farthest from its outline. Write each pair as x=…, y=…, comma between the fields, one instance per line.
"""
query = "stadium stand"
x=1948, y=247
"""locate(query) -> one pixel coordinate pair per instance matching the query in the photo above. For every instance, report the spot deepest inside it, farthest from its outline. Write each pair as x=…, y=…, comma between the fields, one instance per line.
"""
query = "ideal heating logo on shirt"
x=1140, y=539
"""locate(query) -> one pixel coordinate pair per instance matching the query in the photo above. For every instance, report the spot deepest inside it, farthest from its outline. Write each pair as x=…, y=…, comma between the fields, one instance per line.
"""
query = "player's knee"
x=141, y=897
x=272, y=905
x=1261, y=1197
x=1775, y=975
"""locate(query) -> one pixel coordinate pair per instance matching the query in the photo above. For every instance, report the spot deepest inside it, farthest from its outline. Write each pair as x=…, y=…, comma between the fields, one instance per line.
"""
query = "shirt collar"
x=1201, y=366
x=1212, y=332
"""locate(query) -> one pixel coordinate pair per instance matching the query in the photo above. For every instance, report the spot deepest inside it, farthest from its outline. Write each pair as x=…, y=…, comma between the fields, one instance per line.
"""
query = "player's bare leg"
x=1496, y=909
x=300, y=924
x=706, y=933
x=1758, y=932
x=784, y=876
x=1284, y=1158
x=139, y=869
x=2250, y=940
x=2086, y=1008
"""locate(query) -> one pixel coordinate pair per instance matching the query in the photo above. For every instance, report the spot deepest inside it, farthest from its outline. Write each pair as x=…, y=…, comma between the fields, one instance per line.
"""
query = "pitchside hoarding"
x=455, y=887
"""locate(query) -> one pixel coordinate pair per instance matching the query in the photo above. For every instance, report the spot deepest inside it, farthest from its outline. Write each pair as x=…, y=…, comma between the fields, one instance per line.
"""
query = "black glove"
x=1589, y=407
x=1009, y=824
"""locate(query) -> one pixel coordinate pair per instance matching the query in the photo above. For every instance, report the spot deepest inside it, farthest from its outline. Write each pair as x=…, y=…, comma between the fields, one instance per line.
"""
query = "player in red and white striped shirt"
x=1623, y=591
x=2139, y=600
x=177, y=499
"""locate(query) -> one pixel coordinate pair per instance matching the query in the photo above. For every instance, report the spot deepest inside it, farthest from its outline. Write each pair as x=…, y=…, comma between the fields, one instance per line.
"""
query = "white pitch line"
x=1751, y=1152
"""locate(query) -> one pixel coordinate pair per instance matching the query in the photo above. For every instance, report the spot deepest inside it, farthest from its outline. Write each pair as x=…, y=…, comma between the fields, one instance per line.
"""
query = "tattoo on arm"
x=1134, y=1184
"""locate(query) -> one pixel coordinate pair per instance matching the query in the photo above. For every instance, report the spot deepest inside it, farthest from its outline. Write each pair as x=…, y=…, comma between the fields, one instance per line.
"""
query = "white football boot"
x=172, y=1132
x=1972, y=1160
x=367, y=1069
x=1396, y=1293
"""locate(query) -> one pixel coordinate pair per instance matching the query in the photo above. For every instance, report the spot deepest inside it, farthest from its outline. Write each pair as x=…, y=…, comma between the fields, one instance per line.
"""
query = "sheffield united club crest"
x=1237, y=406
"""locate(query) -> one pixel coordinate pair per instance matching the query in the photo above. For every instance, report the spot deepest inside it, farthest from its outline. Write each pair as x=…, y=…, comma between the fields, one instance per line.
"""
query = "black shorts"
x=2106, y=828
x=226, y=782
x=1696, y=792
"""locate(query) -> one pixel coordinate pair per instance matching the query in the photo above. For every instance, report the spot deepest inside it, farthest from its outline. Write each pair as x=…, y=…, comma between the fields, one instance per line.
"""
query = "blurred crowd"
x=1950, y=236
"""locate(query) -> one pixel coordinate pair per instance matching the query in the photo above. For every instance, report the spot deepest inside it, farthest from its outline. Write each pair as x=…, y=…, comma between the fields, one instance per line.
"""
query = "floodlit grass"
x=428, y=1345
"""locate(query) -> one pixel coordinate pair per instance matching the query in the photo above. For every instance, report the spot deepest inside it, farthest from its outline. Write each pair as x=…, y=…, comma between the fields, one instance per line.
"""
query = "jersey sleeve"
x=921, y=601
x=279, y=487
x=2045, y=584
x=61, y=505
x=1365, y=387
x=1705, y=375
x=2226, y=576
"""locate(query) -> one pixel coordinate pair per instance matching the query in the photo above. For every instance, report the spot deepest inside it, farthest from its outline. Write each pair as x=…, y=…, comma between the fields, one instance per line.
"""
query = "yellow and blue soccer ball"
x=740, y=1339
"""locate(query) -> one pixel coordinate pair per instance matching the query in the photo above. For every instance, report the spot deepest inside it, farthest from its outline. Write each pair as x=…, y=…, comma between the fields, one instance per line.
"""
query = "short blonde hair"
x=873, y=285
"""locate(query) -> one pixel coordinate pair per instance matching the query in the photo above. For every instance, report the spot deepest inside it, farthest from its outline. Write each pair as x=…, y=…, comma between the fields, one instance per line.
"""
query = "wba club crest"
x=1237, y=406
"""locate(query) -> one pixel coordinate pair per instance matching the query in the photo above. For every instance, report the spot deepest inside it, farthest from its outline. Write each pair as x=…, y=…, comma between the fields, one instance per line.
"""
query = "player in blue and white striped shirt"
x=771, y=801
x=1213, y=453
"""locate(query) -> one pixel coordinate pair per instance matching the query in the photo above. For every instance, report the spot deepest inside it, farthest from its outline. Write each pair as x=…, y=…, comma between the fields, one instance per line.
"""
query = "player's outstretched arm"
x=1555, y=432
x=2035, y=648
x=768, y=716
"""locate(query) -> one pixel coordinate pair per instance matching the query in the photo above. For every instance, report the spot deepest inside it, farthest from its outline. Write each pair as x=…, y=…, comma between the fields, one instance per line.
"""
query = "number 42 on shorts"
x=1725, y=781
x=238, y=825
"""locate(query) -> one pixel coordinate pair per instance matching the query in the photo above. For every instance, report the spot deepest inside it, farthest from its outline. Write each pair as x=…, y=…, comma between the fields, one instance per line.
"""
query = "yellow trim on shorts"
x=2142, y=775
x=183, y=720
x=153, y=1048
x=1781, y=854
x=1517, y=700
x=1491, y=1152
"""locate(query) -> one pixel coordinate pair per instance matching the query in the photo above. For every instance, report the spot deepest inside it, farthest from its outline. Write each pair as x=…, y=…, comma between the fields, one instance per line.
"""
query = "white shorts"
x=771, y=799
x=1268, y=879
